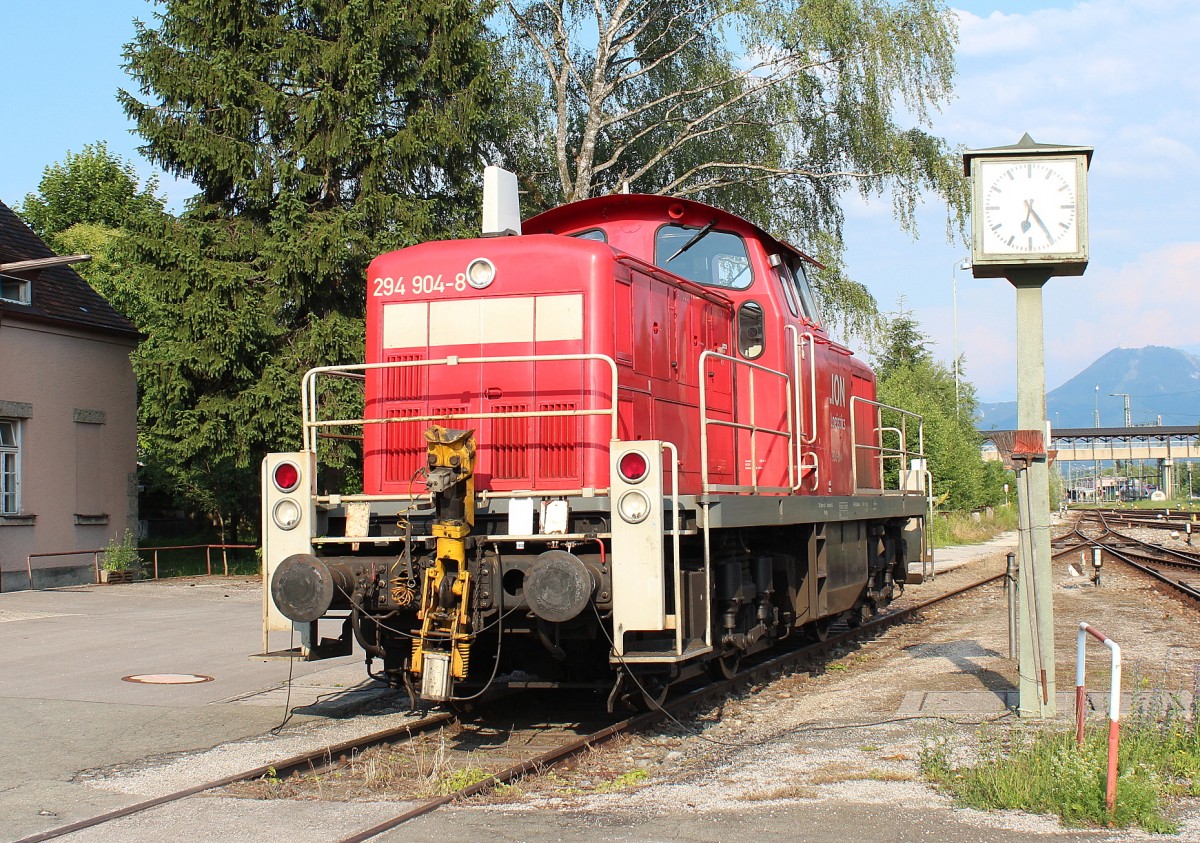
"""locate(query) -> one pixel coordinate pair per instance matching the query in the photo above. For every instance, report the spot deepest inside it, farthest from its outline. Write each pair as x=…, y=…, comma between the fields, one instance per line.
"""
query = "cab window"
x=790, y=294
x=704, y=255
x=750, y=330
x=596, y=234
x=794, y=273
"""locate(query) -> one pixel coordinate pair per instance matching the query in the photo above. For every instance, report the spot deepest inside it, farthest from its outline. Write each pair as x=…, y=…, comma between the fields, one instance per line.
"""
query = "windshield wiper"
x=696, y=238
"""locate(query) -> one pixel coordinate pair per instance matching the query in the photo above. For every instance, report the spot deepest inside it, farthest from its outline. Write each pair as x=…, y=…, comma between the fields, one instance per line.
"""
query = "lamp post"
x=965, y=263
x=1126, y=396
x=1097, y=416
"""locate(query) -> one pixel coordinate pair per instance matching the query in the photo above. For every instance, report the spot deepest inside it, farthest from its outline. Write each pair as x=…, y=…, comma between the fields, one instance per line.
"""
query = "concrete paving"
x=63, y=654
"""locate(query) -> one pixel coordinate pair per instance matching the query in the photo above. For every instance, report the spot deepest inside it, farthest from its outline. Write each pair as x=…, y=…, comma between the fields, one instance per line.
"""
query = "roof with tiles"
x=57, y=294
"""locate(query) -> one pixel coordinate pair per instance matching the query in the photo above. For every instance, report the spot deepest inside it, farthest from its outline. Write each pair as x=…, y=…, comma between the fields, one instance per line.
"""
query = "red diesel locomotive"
x=613, y=451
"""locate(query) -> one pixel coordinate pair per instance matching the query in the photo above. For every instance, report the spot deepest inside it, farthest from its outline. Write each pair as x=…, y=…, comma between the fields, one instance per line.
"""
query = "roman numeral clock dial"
x=1029, y=207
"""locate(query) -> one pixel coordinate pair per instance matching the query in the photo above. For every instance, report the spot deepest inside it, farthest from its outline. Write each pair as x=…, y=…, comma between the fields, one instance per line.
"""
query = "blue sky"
x=1111, y=74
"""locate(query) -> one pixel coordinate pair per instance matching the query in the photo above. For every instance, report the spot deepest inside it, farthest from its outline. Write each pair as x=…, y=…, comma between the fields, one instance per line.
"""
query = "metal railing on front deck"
x=313, y=425
x=882, y=453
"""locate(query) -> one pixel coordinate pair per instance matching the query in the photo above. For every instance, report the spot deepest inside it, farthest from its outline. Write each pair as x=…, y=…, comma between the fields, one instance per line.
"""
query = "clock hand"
x=1038, y=220
x=1025, y=224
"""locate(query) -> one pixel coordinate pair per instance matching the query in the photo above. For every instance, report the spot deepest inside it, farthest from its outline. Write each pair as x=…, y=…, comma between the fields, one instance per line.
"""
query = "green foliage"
x=319, y=134
x=93, y=187
x=957, y=527
x=775, y=110
x=85, y=205
x=910, y=378
x=121, y=555
x=455, y=780
x=631, y=778
x=1043, y=771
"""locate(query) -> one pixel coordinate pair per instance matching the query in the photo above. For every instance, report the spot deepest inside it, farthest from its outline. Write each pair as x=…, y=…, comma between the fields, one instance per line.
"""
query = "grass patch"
x=1043, y=771
x=951, y=528
x=838, y=773
x=455, y=780
x=624, y=781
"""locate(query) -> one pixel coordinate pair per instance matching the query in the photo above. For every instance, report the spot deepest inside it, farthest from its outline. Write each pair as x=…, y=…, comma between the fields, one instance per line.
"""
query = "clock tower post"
x=1029, y=223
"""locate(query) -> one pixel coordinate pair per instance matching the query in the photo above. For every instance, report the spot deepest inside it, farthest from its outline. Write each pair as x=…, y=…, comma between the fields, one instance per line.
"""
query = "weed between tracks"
x=422, y=768
x=430, y=766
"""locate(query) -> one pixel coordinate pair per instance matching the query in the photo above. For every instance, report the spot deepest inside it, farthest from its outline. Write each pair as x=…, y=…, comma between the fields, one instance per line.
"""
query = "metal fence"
x=153, y=564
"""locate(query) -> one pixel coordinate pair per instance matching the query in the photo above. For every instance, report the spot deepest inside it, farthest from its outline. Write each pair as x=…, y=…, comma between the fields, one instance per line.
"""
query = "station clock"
x=1028, y=208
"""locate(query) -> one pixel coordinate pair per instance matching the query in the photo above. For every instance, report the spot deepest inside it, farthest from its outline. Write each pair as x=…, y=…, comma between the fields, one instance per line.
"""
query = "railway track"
x=1178, y=569
x=1176, y=520
x=526, y=747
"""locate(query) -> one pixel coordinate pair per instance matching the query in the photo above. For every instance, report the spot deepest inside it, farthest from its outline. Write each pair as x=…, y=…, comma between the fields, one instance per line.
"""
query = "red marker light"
x=287, y=476
x=633, y=467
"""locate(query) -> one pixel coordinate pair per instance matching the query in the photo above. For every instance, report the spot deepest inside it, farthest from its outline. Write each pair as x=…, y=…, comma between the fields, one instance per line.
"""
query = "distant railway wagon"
x=611, y=451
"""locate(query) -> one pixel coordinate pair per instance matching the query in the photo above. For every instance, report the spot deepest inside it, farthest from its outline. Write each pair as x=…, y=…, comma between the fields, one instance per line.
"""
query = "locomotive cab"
x=612, y=451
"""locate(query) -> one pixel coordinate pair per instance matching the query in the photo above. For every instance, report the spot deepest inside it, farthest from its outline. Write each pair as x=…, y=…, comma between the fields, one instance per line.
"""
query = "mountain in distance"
x=1160, y=382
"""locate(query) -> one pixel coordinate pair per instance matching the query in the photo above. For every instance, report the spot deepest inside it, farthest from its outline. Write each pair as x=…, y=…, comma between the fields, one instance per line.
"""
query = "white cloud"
x=1112, y=74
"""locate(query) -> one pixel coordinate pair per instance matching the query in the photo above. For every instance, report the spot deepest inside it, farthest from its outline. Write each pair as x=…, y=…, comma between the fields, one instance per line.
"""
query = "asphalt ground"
x=64, y=707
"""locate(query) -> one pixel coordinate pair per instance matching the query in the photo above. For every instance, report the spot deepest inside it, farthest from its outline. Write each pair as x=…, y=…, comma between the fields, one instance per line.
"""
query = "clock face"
x=1028, y=206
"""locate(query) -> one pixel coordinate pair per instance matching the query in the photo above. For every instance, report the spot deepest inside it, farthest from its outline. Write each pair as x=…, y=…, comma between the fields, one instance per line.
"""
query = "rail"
x=882, y=453
x=752, y=427
x=309, y=394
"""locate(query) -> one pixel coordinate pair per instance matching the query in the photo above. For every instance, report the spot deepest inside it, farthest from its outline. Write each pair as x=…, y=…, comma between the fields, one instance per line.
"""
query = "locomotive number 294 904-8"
x=418, y=285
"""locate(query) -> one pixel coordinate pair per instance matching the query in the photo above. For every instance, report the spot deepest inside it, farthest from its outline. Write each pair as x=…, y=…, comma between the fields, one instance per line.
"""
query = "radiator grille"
x=559, y=439
x=404, y=446
x=406, y=383
x=510, y=443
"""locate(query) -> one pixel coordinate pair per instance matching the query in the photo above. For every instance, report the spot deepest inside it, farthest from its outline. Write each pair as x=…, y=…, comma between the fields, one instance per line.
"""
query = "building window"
x=89, y=467
x=10, y=467
x=14, y=289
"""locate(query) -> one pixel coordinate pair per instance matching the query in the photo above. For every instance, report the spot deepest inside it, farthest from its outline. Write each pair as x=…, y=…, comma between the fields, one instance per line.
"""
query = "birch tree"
x=775, y=110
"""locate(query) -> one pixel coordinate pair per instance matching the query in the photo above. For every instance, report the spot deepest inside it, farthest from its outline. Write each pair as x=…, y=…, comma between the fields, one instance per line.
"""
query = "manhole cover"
x=167, y=678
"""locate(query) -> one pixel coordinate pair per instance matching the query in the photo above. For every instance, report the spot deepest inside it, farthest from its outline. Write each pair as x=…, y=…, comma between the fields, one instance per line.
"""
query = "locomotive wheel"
x=725, y=666
x=654, y=691
x=818, y=630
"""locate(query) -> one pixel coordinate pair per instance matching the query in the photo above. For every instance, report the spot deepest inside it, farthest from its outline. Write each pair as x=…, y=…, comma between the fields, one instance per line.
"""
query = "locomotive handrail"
x=308, y=392
x=805, y=434
x=752, y=427
x=883, y=453
x=677, y=557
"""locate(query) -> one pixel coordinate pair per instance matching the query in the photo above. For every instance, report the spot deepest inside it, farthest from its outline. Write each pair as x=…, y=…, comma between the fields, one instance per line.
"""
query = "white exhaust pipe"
x=501, y=203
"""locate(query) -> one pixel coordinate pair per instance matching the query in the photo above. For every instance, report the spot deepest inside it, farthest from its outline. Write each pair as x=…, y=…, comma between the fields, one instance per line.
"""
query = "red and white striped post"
x=1114, y=706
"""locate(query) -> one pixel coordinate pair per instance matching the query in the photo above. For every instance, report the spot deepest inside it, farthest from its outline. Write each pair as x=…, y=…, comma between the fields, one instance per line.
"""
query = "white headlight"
x=286, y=514
x=480, y=273
x=633, y=506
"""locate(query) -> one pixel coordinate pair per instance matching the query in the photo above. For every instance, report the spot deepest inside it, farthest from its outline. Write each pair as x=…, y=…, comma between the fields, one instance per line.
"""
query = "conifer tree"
x=319, y=134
